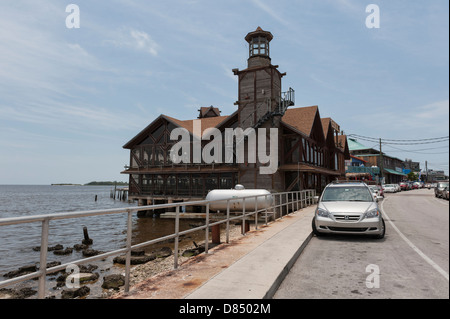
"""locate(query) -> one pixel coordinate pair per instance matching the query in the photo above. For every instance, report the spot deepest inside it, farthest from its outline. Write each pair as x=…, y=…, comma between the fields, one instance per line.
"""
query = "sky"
x=70, y=98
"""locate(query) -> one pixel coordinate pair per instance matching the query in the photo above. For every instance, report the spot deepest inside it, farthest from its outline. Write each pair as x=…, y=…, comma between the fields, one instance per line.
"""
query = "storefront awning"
x=394, y=172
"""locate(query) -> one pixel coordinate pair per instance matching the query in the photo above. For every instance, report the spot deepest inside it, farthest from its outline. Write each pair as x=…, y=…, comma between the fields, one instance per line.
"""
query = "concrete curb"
x=259, y=273
x=273, y=289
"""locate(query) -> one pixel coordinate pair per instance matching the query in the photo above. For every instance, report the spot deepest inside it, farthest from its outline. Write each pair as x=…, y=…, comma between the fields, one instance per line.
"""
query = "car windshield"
x=443, y=185
x=341, y=194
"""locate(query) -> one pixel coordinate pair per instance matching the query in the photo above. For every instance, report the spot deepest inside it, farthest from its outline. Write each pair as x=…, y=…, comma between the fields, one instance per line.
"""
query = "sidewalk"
x=251, y=267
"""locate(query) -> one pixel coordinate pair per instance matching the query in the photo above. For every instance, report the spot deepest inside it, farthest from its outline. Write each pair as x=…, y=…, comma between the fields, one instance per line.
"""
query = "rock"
x=21, y=271
x=25, y=293
x=51, y=248
x=113, y=281
x=89, y=268
x=195, y=251
x=75, y=292
x=190, y=253
x=79, y=247
x=16, y=294
x=163, y=252
x=134, y=260
x=91, y=252
x=87, y=241
x=138, y=252
x=53, y=264
x=84, y=277
x=62, y=252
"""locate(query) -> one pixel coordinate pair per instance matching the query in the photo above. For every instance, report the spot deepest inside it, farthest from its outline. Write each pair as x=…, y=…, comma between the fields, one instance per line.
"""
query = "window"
x=183, y=184
x=259, y=46
x=197, y=185
x=226, y=181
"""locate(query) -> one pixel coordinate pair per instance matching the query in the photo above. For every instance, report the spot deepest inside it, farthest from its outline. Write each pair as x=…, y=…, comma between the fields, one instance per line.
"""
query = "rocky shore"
x=105, y=278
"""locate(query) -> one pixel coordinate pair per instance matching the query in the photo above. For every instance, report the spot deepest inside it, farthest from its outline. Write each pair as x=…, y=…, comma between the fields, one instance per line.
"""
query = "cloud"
x=134, y=39
x=428, y=120
x=270, y=11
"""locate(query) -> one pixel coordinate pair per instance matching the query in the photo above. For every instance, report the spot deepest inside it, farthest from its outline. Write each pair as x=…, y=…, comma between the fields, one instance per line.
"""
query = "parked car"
x=390, y=188
x=380, y=190
x=403, y=186
x=375, y=192
x=445, y=193
x=440, y=188
x=348, y=208
x=397, y=188
x=415, y=185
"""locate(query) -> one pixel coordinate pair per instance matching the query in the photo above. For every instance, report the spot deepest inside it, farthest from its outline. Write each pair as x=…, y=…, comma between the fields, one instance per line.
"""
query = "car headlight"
x=372, y=213
x=323, y=213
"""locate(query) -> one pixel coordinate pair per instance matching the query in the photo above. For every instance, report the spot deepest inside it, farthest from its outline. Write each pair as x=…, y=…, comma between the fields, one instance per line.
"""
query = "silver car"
x=348, y=208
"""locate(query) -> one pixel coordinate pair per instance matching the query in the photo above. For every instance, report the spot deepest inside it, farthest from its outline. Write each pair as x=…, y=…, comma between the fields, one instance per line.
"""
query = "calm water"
x=108, y=232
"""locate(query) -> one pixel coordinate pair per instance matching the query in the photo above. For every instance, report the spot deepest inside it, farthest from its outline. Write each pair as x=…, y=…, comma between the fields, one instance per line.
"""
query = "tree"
x=412, y=176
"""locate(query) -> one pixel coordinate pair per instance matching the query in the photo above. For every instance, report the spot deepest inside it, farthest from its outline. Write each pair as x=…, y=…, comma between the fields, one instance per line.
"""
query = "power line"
x=395, y=140
x=419, y=151
x=403, y=142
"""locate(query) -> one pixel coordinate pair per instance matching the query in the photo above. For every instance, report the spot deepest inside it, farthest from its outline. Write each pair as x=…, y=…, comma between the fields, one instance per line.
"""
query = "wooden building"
x=311, y=151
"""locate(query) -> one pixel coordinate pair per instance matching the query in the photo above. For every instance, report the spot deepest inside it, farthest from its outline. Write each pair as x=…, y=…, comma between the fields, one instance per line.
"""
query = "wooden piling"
x=86, y=240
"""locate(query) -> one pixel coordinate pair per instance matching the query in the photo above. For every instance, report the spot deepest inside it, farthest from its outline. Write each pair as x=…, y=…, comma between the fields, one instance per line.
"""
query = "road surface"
x=412, y=261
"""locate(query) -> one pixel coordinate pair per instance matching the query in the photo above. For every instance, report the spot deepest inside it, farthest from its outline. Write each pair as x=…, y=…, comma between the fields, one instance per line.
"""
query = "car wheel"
x=314, y=229
x=381, y=236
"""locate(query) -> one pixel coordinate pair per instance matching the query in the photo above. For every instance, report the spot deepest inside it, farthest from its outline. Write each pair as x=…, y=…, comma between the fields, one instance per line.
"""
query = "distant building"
x=311, y=151
x=392, y=166
x=412, y=166
x=435, y=176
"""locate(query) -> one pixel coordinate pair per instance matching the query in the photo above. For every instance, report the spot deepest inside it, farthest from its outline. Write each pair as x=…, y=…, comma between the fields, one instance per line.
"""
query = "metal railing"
x=282, y=204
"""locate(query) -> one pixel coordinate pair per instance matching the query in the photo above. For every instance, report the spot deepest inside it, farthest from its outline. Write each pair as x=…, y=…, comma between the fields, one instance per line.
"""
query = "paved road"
x=412, y=261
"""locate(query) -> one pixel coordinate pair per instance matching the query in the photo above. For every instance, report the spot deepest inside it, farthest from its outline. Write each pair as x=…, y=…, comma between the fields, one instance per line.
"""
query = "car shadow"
x=356, y=238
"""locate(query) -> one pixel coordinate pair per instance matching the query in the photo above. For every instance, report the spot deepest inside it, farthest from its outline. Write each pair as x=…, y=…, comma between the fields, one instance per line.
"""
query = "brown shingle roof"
x=325, y=125
x=301, y=118
x=207, y=122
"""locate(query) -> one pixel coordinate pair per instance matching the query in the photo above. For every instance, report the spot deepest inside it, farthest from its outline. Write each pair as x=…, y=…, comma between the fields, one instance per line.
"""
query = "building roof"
x=206, y=122
x=301, y=118
x=208, y=111
x=325, y=125
x=354, y=145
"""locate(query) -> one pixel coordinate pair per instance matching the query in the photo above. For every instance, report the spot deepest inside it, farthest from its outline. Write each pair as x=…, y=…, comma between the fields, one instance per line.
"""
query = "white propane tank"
x=237, y=204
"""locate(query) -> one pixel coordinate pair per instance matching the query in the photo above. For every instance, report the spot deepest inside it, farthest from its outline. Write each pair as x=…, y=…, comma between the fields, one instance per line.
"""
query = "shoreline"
x=106, y=267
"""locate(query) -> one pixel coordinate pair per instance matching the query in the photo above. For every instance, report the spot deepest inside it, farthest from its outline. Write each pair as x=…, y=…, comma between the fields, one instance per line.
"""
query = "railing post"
x=43, y=258
x=305, y=198
x=265, y=200
x=256, y=212
x=228, y=222
x=207, y=229
x=292, y=201
x=128, y=255
x=287, y=203
x=177, y=230
x=243, y=216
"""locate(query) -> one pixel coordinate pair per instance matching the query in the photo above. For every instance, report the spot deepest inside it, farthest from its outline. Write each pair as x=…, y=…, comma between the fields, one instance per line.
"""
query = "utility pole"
x=381, y=164
x=426, y=171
